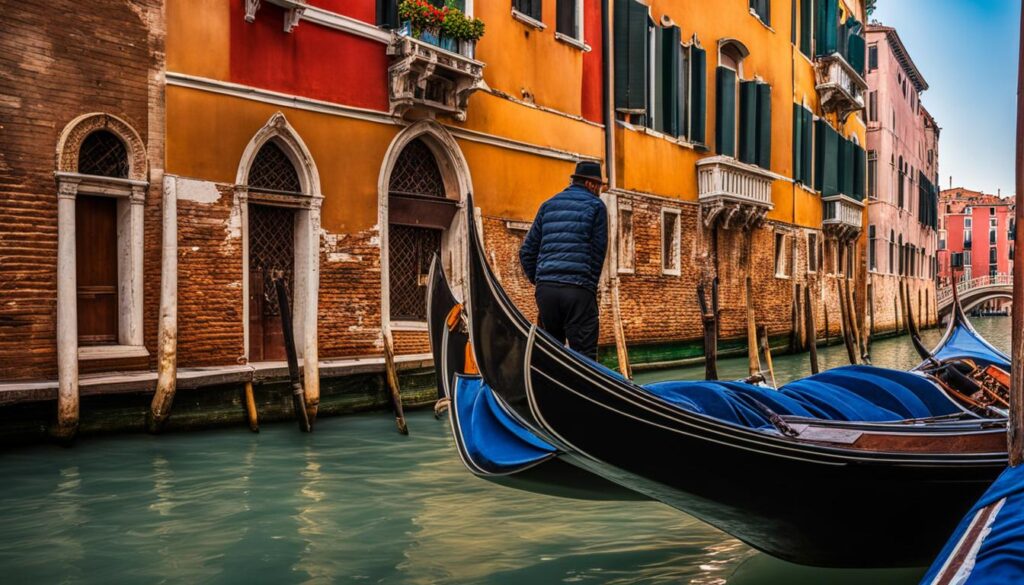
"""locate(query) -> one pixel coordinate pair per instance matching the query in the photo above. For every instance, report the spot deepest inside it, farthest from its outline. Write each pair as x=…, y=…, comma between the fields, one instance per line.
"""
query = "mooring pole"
x=754, y=365
x=391, y=372
x=298, y=394
x=766, y=349
x=1015, y=428
x=707, y=319
x=812, y=339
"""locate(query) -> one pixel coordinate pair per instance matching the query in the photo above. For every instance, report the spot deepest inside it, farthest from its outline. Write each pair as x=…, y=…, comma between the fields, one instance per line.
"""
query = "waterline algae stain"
x=356, y=502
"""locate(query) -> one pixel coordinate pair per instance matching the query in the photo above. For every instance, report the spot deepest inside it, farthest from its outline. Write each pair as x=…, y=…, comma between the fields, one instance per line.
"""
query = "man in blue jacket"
x=563, y=254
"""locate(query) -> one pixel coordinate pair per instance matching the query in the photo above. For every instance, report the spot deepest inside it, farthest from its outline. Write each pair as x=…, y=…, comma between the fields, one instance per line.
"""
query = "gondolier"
x=563, y=254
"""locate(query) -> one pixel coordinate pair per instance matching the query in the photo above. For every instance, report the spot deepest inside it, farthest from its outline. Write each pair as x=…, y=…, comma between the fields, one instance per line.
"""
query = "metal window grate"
x=416, y=172
x=411, y=249
x=271, y=249
x=103, y=154
x=272, y=170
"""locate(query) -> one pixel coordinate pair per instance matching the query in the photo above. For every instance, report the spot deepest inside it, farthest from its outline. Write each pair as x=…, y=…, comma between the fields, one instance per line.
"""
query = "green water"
x=356, y=503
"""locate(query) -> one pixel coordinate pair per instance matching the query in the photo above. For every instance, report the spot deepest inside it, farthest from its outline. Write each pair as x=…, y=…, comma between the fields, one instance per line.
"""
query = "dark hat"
x=588, y=170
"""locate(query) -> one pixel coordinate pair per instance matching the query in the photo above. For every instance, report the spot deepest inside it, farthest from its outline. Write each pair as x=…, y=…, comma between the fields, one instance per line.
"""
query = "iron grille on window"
x=104, y=155
x=272, y=170
x=271, y=249
x=411, y=251
x=416, y=172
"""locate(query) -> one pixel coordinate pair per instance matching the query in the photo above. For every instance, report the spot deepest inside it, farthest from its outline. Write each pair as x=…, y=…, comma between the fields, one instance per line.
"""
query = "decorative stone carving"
x=734, y=194
x=840, y=88
x=428, y=78
x=70, y=142
x=293, y=11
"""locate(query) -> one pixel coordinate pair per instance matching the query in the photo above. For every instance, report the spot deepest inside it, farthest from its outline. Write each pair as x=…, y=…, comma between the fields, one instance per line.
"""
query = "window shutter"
x=859, y=170
x=671, y=55
x=725, y=111
x=808, y=154
x=798, y=143
x=764, y=125
x=805, y=26
x=630, y=56
x=748, y=121
x=827, y=29
x=856, y=49
x=873, y=57
x=827, y=165
x=535, y=9
x=565, y=17
x=698, y=95
x=656, y=119
x=845, y=167
x=387, y=13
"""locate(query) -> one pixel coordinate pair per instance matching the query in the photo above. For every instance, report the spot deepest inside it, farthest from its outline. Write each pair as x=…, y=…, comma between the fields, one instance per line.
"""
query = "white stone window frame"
x=306, y=284
x=673, y=268
x=130, y=194
x=812, y=251
x=781, y=251
x=458, y=184
x=626, y=239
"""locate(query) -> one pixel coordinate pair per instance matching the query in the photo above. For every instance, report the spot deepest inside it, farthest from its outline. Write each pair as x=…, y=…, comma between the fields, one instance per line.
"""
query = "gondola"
x=875, y=492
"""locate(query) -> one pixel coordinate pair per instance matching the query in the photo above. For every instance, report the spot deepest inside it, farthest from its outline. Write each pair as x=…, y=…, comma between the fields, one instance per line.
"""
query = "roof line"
x=902, y=55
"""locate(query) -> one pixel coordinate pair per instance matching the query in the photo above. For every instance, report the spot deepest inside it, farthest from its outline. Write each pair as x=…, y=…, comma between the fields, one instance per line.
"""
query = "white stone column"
x=130, y=267
x=310, y=249
x=67, y=313
x=167, y=344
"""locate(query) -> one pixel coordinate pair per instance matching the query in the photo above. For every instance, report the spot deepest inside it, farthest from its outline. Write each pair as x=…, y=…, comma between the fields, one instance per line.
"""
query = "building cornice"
x=902, y=55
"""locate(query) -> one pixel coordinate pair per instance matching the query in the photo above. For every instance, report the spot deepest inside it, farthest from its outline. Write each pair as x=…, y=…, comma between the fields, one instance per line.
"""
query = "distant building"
x=979, y=228
x=903, y=162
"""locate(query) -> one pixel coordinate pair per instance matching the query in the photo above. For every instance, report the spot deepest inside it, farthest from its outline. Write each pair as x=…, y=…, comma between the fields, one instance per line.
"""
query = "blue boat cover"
x=491, y=439
x=990, y=538
x=964, y=342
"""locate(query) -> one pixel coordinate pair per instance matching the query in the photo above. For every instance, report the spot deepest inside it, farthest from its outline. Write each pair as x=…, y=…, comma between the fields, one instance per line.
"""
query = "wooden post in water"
x=811, y=325
x=1015, y=426
x=827, y=338
x=621, y=350
x=766, y=349
x=391, y=372
x=708, y=320
x=754, y=365
x=845, y=322
x=298, y=394
x=250, y=408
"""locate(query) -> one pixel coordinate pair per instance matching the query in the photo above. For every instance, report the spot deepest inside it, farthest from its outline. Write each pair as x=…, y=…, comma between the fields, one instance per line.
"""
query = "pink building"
x=978, y=226
x=903, y=161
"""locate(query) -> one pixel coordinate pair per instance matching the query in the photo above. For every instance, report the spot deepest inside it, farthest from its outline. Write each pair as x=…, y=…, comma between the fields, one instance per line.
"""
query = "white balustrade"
x=725, y=178
x=945, y=294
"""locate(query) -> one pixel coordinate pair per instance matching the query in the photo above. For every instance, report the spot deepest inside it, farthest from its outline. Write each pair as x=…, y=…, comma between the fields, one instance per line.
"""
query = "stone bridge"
x=975, y=291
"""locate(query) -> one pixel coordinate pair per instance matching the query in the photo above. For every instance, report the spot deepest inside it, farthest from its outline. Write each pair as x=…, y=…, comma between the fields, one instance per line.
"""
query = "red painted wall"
x=593, y=63
x=364, y=10
x=311, y=61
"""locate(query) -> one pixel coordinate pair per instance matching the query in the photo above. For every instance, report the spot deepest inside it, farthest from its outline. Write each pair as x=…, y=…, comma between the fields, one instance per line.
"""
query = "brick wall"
x=61, y=60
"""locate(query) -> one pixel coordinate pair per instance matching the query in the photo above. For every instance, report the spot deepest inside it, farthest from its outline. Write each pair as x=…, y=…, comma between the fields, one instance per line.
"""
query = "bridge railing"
x=944, y=294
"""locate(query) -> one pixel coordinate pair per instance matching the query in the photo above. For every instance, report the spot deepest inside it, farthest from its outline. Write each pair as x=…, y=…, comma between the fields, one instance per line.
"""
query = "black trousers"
x=569, y=312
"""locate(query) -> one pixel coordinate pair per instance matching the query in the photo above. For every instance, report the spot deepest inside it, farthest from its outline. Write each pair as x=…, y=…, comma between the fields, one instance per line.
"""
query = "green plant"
x=461, y=27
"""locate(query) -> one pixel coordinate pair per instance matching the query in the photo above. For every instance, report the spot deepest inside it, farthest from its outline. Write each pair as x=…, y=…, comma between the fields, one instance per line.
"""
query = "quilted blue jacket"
x=568, y=240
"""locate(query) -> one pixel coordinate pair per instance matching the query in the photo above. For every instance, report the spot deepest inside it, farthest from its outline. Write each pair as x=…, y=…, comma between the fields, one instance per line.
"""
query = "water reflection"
x=355, y=502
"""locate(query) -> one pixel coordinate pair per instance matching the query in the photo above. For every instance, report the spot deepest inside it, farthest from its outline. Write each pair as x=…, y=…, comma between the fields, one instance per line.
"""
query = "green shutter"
x=845, y=162
x=856, y=49
x=630, y=56
x=672, y=54
x=859, y=170
x=748, y=121
x=805, y=26
x=725, y=111
x=827, y=29
x=808, y=154
x=656, y=119
x=698, y=95
x=826, y=177
x=764, y=125
x=798, y=143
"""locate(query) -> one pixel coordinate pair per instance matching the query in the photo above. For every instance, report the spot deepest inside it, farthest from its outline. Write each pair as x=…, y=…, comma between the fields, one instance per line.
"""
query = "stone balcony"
x=733, y=193
x=425, y=80
x=842, y=217
x=840, y=88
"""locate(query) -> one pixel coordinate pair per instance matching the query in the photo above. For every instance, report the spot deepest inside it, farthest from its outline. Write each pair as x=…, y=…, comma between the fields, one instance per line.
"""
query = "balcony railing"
x=738, y=194
x=842, y=217
x=840, y=88
x=427, y=78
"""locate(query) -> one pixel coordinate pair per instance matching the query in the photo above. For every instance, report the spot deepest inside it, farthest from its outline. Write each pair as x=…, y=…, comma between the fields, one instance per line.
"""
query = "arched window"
x=273, y=171
x=104, y=155
x=892, y=251
x=415, y=228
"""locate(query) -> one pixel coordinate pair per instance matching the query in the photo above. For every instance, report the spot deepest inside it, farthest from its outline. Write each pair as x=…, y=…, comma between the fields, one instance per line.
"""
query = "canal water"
x=355, y=502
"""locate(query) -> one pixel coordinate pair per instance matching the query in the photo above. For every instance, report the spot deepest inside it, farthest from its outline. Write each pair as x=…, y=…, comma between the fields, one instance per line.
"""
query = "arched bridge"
x=975, y=291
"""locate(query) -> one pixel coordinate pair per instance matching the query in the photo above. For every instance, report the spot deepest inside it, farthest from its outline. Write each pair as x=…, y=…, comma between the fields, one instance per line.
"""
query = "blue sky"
x=967, y=51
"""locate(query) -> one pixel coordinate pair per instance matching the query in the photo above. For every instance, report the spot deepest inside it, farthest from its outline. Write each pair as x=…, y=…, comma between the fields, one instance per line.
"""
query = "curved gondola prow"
x=494, y=318
x=447, y=344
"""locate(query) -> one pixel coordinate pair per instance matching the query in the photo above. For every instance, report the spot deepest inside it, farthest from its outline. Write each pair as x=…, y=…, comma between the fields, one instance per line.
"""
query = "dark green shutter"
x=672, y=53
x=725, y=111
x=827, y=29
x=856, y=50
x=764, y=125
x=845, y=161
x=859, y=170
x=805, y=26
x=808, y=153
x=748, y=121
x=387, y=13
x=656, y=119
x=698, y=95
x=826, y=177
x=565, y=17
x=630, y=56
x=798, y=143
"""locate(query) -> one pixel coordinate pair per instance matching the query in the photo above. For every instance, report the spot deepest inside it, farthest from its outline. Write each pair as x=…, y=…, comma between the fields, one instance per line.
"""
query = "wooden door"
x=96, y=269
x=271, y=252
